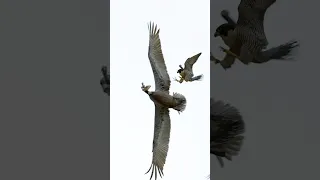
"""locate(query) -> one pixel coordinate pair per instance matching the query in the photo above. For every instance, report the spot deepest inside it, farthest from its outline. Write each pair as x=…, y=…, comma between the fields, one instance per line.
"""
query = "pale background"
x=184, y=32
x=279, y=100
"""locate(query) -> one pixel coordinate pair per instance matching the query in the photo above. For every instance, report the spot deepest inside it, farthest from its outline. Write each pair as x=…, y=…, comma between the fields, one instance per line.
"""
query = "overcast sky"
x=184, y=32
x=279, y=100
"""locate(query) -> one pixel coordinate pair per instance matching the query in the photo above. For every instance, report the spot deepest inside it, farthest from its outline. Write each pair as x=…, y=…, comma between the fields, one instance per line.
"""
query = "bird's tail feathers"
x=181, y=101
x=234, y=146
x=197, y=78
x=281, y=52
x=220, y=160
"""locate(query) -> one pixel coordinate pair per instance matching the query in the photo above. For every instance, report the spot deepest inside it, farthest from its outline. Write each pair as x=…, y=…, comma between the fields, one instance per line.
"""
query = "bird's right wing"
x=253, y=11
x=161, y=139
x=226, y=129
x=190, y=61
x=161, y=76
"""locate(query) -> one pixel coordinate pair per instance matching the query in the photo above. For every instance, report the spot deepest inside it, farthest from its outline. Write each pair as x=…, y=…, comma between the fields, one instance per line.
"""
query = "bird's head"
x=180, y=70
x=224, y=29
x=145, y=88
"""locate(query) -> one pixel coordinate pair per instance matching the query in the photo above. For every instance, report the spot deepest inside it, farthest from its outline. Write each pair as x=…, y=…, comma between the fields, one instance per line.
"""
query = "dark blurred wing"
x=161, y=139
x=105, y=86
x=252, y=11
x=105, y=81
x=190, y=62
x=161, y=76
x=226, y=129
x=226, y=16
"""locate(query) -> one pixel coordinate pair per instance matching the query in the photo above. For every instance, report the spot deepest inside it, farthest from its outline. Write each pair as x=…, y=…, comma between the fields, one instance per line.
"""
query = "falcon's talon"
x=228, y=52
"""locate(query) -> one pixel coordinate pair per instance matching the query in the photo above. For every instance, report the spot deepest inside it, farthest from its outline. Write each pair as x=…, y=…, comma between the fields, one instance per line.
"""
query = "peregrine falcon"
x=186, y=73
x=105, y=80
x=162, y=102
x=226, y=130
x=246, y=38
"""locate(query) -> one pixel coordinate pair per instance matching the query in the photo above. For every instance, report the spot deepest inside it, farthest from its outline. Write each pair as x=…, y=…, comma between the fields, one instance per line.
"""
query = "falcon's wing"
x=160, y=140
x=251, y=17
x=190, y=61
x=226, y=129
x=105, y=80
x=252, y=11
x=161, y=76
x=225, y=15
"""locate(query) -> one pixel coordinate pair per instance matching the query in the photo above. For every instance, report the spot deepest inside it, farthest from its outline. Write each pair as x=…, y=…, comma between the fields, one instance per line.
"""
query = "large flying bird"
x=186, y=73
x=162, y=102
x=105, y=80
x=246, y=38
x=226, y=130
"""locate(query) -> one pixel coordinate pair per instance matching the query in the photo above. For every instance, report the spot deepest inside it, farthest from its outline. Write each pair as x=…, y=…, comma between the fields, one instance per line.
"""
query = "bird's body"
x=226, y=130
x=166, y=100
x=162, y=101
x=246, y=38
x=105, y=80
x=186, y=73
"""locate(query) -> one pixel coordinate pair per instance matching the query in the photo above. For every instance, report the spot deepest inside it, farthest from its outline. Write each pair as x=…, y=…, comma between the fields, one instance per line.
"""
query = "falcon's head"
x=180, y=70
x=224, y=30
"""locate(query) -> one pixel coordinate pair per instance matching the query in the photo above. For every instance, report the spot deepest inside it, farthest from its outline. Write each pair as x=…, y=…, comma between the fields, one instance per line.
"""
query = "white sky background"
x=184, y=31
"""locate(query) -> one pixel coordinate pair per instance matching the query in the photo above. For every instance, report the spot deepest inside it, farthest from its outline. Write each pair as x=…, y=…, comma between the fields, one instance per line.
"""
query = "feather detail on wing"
x=161, y=139
x=190, y=62
x=161, y=76
x=251, y=18
x=226, y=129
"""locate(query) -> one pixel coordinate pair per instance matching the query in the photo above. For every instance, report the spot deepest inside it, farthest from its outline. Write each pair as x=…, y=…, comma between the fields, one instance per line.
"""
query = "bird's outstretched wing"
x=161, y=76
x=226, y=129
x=226, y=16
x=105, y=80
x=251, y=17
x=161, y=139
x=190, y=61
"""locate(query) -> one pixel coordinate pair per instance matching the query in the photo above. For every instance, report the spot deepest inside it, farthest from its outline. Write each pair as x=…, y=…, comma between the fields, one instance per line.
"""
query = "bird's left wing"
x=226, y=129
x=251, y=20
x=190, y=61
x=161, y=76
x=161, y=139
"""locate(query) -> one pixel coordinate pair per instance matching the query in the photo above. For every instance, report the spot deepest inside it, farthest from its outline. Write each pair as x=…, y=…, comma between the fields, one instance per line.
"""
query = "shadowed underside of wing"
x=161, y=137
x=190, y=61
x=226, y=129
x=161, y=76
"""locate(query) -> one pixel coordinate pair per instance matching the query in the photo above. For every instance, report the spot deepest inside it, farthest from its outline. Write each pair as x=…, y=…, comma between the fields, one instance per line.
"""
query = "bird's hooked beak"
x=216, y=34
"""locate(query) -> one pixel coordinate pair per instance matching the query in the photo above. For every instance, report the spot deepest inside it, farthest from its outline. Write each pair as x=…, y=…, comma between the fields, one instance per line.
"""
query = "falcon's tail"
x=197, y=78
x=181, y=101
x=280, y=52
